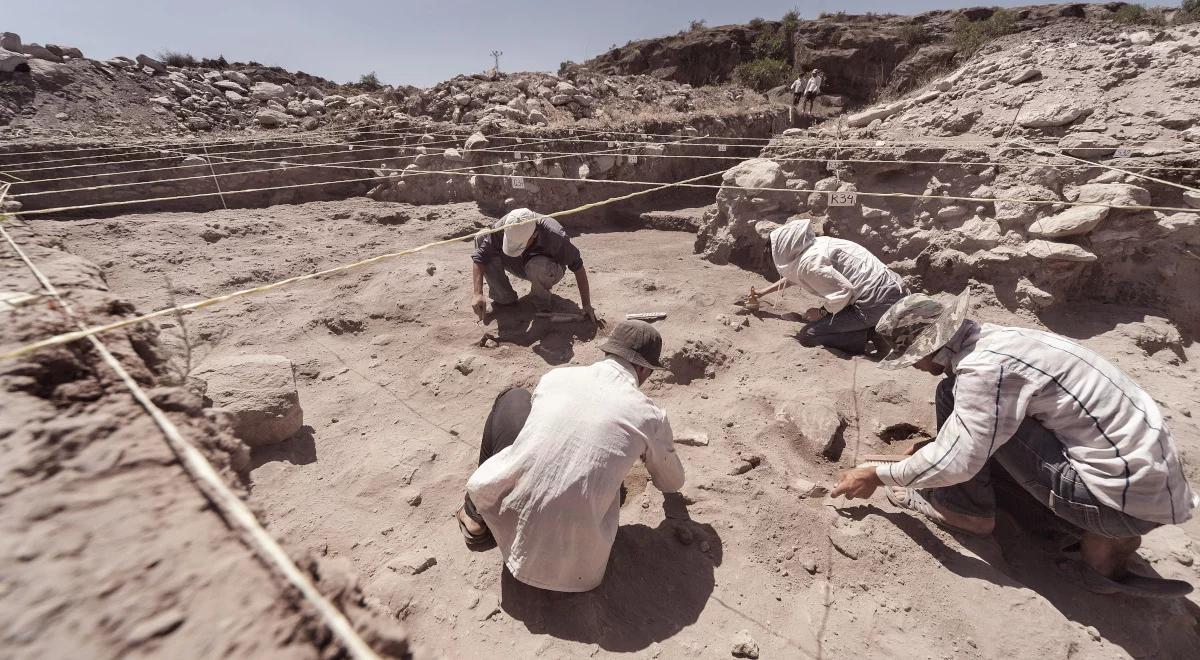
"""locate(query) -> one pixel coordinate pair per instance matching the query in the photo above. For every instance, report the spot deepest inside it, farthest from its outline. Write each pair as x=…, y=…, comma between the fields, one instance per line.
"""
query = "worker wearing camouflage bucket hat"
x=1047, y=417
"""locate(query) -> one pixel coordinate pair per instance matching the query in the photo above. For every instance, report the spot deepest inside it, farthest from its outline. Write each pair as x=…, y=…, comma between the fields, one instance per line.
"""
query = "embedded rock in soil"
x=744, y=645
x=1072, y=222
x=258, y=392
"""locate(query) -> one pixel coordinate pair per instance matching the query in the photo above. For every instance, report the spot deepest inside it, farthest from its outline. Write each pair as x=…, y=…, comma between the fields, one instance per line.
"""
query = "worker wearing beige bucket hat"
x=1066, y=428
x=533, y=247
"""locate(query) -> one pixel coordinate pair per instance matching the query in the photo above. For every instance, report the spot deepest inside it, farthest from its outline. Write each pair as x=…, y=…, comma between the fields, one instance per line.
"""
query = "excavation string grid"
x=653, y=187
x=231, y=507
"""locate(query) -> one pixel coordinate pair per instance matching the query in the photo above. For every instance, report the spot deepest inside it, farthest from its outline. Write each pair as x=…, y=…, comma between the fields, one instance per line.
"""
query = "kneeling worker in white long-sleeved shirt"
x=855, y=287
x=1068, y=427
x=548, y=487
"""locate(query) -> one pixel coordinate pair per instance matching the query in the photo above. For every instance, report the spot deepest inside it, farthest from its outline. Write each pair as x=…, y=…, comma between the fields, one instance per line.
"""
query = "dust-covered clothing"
x=541, y=272
x=1112, y=433
x=1033, y=461
x=551, y=500
x=549, y=240
x=842, y=273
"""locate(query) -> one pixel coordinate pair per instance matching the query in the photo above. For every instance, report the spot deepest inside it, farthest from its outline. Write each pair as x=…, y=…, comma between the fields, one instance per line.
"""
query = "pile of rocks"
x=11, y=48
x=575, y=93
x=203, y=99
x=1129, y=100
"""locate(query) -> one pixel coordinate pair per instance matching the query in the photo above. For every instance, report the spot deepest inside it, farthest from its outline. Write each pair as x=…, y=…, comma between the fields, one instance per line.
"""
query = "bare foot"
x=909, y=498
x=1108, y=557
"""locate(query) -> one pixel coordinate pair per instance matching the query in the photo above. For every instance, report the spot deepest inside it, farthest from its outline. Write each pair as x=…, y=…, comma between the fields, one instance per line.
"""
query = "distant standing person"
x=551, y=464
x=854, y=286
x=812, y=88
x=798, y=89
x=538, y=251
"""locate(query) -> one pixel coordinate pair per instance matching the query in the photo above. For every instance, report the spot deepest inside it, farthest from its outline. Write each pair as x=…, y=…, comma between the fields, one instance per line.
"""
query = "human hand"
x=479, y=306
x=814, y=314
x=857, y=483
x=589, y=314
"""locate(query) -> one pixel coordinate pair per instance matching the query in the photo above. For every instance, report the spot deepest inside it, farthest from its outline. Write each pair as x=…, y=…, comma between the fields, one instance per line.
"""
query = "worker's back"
x=869, y=276
x=551, y=499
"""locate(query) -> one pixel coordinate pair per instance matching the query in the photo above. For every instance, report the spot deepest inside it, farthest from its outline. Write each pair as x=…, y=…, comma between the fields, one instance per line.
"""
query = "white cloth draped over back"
x=551, y=500
x=839, y=272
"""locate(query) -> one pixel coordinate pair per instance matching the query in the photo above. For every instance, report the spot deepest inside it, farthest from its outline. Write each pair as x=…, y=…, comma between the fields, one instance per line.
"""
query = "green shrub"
x=757, y=22
x=173, y=58
x=698, y=24
x=763, y=73
x=369, y=81
x=1139, y=15
x=769, y=44
x=969, y=36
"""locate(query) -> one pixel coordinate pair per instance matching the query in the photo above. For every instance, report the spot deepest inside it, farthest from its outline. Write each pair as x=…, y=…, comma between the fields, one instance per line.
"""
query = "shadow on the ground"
x=553, y=341
x=655, y=587
x=1022, y=554
x=300, y=449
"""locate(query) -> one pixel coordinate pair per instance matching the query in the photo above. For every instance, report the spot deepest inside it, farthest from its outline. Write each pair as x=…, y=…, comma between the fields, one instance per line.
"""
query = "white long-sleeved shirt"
x=551, y=500
x=798, y=85
x=842, y=273
x=814, y=84
x=1111, y=430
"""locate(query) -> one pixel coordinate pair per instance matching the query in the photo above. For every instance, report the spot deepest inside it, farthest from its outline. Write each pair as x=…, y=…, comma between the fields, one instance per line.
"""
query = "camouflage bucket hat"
x=918, y=325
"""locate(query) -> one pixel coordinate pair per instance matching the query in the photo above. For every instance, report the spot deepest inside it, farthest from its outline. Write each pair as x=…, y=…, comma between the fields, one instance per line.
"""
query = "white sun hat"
x=517, y=235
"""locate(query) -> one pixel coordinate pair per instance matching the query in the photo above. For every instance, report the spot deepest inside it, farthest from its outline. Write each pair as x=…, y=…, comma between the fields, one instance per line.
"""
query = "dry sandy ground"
x=395, y=390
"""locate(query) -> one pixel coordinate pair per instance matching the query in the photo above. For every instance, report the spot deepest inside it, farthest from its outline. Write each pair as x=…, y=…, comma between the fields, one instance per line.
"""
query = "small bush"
x=757, y=23
x=763, y=74
x=698, y=24
x=369, y=81
x=792, y=18
x=913, y=34
x=970, y=36
x=173, y=58
x=1191, y=6
x=770, y=43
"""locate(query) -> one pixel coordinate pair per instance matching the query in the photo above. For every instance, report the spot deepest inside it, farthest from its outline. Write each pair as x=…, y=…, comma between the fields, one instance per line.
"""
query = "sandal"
x=473, y=541
x=1132, y=584
x=912, y=500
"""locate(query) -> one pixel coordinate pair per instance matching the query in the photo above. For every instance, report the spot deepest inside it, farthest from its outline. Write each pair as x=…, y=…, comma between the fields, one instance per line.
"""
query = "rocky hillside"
x=1116, y=99
x=861, y=55
x=50, y=92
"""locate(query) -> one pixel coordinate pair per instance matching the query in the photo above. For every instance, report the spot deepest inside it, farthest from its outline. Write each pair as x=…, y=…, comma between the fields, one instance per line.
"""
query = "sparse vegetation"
x=969, y=36
x=369, y=81
x=763, y=73
x=913, y=34
x=174, y=58
x=757, y=22
x=698, y=24
x=1139, y=15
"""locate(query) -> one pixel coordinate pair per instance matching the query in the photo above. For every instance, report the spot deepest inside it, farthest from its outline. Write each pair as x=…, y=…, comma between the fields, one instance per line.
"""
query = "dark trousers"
x=1034, y=460
x=504, y=424
x=849, y=330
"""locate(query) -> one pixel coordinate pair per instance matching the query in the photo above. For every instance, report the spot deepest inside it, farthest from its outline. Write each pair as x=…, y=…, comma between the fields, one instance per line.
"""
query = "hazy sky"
x=416, y=42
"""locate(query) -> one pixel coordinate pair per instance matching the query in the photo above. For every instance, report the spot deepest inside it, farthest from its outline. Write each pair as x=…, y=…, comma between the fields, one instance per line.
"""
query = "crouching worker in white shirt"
x=854, y=286
x=1049, y=418
x=548, y=487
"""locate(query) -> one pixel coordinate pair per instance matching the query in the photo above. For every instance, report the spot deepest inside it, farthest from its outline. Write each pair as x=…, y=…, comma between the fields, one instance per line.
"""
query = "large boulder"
x=265, y=91
x=1072, y=222
x=268, y=118
x=10, y=61
x=737, y=231
x=259, y=394
x=1054, y=114
x=151, y=63
x=1088, y=145
x=1050, y=251
x=238, y=77
x=1117, y=194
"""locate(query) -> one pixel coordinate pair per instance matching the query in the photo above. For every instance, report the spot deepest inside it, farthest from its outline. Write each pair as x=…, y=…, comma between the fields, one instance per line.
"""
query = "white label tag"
x=843, y=198
x=1123, y=152
x=722, y=147
x=518, y=182
x=633, y=159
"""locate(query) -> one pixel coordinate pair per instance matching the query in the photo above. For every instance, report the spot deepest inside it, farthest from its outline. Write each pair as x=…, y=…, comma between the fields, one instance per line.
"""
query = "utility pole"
x=496, y=56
